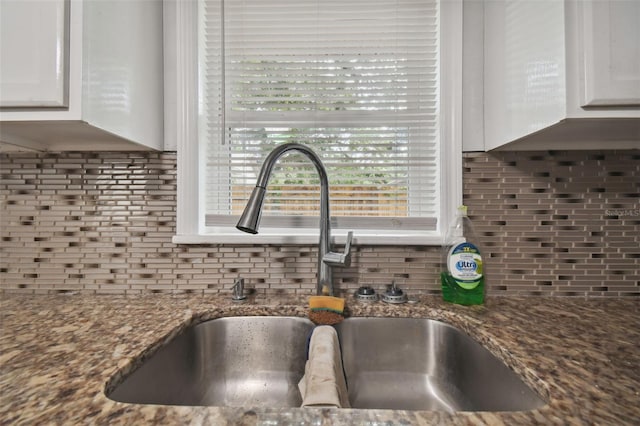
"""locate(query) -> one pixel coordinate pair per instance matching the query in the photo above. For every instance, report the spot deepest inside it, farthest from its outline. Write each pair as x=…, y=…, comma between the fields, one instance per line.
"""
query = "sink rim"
x=480, y=335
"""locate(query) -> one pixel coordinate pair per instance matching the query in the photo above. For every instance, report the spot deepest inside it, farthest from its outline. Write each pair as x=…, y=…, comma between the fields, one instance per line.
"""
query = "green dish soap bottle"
x=462, y=276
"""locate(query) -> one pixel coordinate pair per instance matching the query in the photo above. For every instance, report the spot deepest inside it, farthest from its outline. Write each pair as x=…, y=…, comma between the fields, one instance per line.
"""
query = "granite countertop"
x=57, y=352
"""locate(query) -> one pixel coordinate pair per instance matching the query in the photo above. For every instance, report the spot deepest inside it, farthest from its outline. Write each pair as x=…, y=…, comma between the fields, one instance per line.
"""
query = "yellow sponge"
x=326, y=310
x=326, y=303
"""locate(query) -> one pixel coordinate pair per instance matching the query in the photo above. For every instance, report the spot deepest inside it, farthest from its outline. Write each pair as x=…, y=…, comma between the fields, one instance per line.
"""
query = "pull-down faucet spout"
x=250, y=219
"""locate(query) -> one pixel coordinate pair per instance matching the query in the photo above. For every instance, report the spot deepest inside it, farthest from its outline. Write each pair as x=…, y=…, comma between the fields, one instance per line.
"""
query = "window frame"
x=181, y=126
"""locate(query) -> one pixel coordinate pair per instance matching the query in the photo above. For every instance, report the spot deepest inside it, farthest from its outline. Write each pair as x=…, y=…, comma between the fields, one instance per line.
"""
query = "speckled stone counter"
x=58, y=352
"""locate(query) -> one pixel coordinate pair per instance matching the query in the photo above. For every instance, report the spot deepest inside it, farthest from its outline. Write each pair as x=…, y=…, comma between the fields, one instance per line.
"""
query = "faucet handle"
x=340, y=259
x=347, y=247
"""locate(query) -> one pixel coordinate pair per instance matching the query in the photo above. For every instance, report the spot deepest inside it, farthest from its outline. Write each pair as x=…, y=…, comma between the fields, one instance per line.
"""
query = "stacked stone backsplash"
x=553, y=224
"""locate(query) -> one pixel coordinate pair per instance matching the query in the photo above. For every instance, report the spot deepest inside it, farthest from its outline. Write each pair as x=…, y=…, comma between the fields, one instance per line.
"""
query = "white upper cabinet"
x=560, y=75
x=34, y=69
x=611, y=59
x=81, y=75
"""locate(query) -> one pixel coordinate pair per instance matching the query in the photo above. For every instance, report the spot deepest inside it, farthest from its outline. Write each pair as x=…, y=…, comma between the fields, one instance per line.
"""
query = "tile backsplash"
x=558, y=223
x=553, y=224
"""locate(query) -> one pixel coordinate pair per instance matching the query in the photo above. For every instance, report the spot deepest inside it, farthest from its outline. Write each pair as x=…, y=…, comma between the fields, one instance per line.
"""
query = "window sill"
x=287, y=237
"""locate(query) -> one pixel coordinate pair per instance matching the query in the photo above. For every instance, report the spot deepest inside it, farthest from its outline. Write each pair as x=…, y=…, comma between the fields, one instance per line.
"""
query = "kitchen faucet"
x=250, y=219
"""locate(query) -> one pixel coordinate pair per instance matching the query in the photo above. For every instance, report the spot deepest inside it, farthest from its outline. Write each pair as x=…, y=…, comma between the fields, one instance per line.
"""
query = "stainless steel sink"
x=389, y=363
x=421, y=364
x=235, y=361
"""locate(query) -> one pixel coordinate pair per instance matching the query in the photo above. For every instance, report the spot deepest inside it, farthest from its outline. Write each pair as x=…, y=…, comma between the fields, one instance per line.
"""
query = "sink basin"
x=389, y=363
x=422, y=364
x=234, y=361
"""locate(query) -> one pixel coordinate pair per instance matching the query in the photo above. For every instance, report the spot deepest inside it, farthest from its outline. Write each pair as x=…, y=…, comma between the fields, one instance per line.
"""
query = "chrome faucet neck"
x=250, y=219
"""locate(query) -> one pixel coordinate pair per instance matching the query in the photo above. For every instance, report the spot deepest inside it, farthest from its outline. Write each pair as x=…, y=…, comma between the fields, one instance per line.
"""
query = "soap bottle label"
x=465, y=265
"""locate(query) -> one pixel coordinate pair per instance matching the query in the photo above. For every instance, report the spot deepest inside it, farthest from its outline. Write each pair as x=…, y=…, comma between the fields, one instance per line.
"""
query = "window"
x=358, y=81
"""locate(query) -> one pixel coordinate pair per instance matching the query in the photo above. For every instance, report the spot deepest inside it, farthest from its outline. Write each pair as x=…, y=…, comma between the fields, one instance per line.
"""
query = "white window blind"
x=355, y=80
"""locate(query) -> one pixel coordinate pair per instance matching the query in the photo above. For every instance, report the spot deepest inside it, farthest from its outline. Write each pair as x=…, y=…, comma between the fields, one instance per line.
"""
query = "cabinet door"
x=33, y=53
x=611, y=52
